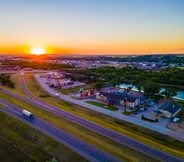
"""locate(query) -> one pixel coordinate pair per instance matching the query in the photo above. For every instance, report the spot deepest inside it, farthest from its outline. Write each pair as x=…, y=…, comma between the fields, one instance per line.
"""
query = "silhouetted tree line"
x=149, y=58
x=38, y=65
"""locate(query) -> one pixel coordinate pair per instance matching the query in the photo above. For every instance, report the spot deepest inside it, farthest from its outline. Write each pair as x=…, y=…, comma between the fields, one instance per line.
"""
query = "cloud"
x=180, y=49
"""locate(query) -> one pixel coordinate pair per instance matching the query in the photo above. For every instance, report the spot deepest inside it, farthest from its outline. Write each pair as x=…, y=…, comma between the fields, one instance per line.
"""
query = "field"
x=10, y=153
x=20, y=142
x=100, y=141
x=147, y=136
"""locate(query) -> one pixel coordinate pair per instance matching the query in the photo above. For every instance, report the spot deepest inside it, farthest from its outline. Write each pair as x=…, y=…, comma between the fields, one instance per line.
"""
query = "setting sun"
x=38, y=51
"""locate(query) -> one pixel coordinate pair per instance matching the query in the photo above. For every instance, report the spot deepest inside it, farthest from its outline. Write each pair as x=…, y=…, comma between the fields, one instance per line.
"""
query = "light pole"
x=125, y=105
x=172, y=112
x=73, y=100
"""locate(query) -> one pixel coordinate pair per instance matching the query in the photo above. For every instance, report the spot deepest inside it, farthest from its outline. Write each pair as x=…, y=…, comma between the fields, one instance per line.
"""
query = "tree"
x=53, y=160
x=98, y=85
x=151, y=89
x=169, y=93
x=139, y=87
x=128, y=89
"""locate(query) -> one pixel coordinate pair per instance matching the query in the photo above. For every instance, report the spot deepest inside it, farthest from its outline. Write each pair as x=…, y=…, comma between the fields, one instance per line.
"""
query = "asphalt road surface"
x=81, y=147
x=96, y=128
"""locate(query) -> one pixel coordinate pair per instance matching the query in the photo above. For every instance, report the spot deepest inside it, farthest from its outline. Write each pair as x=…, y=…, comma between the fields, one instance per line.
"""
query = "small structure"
x=169, y=110
x=87, y=93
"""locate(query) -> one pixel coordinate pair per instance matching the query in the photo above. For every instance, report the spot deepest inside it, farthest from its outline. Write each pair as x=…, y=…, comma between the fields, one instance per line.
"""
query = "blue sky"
x=93, y=26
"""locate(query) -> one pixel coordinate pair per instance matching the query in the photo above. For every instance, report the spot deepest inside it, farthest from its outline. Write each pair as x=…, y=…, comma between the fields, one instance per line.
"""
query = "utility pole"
x=172, y=112
x=73, y=100
x=125, y=105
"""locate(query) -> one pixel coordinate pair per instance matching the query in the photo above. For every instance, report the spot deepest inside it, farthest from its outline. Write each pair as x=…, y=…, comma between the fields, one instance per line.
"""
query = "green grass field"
x=102, y=105
x=21, y=142
x=147, y=136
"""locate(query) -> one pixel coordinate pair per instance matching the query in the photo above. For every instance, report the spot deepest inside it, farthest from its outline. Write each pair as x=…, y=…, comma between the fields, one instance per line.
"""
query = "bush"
x=148, y=119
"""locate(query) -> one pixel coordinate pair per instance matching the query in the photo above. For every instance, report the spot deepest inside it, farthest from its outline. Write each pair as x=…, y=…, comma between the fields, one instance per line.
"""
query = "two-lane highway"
x=81, y=147
x=96, y=128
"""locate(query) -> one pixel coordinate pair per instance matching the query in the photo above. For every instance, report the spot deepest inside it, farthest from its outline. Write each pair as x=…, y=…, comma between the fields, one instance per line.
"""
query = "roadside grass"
x=142, y=134
x=30, y=143
x=169, y=144
x=77, y=89
x=3, y=106
x=128, y=113
x=102, y=142
x=102, y=105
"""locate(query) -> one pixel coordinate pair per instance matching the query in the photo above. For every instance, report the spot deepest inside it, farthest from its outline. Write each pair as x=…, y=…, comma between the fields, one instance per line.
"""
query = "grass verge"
x=102, y=105
x=21, y=142
x=108, y=145
x=147, y=136
x=144, y=135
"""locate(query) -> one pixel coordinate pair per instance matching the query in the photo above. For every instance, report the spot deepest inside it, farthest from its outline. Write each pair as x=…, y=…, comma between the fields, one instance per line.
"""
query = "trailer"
x=29, y=114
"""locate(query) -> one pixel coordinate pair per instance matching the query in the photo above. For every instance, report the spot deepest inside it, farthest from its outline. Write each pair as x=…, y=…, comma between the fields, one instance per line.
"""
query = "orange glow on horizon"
x=95, y=49
x=38, y=51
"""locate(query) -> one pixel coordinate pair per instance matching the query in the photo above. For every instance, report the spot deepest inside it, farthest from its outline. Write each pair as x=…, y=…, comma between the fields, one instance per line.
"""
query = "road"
x=96, y=128
x=81, y=147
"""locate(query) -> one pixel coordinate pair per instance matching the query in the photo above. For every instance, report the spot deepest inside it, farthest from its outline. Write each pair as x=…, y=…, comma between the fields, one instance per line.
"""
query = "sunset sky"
x=92, y=26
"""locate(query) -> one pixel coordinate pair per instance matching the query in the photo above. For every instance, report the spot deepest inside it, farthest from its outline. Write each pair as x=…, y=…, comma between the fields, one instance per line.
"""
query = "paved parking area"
x=61, y=81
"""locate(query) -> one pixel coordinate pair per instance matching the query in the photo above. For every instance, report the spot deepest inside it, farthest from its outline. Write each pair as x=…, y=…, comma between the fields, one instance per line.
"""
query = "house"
x=169, y=110
x=118, y=98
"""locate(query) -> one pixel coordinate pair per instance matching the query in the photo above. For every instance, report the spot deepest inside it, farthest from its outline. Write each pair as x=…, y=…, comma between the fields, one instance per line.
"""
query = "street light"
x=73, y=100
x=172, y=112
x=125, y=105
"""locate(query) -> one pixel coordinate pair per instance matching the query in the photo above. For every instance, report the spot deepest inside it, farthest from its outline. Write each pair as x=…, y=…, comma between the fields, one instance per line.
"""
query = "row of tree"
x=172, y=76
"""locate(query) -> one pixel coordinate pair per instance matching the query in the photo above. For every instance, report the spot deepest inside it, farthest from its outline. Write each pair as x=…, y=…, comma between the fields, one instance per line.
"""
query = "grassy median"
x=147, y=136
x=111, y=108
x=104, y=143
x=20, y=142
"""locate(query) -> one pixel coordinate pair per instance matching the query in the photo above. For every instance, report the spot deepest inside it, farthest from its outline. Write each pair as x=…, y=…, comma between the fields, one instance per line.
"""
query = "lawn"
x=102, y=105
x=147, y=136
x=128, y=113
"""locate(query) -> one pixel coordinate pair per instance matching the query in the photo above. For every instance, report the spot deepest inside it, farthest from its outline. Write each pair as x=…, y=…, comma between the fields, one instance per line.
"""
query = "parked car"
x=175, y=120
